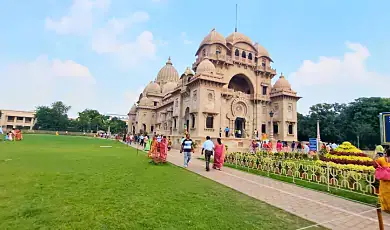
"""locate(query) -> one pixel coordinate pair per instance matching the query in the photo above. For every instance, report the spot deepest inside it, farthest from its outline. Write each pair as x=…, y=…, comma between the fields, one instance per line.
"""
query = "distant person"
x=141, y=140
x=293, y=146
x=227, y=131
x=187, y=148
x=159, y=138
x=306, y=148
x=207, y=149
x=279, y=146
x=379, y=150
x=239, y=133
x=169, y=144
x=219, y=154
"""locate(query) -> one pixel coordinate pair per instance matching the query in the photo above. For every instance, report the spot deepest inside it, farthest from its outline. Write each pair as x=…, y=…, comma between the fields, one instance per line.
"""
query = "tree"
x=92, y=120
x=345, y=122
x=117, y=125
x=52, y=118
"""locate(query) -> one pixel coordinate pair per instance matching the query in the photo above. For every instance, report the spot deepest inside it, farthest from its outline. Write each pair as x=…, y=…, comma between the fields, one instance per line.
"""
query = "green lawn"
x=59, y=182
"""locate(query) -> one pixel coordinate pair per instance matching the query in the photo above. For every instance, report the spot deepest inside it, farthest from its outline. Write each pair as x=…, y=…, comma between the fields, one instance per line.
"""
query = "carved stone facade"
x=231, y=87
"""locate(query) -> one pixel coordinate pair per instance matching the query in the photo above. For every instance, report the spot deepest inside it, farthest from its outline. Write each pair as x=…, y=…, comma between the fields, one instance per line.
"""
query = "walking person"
x=219, y=154
x=187, y=148
x=207, y=149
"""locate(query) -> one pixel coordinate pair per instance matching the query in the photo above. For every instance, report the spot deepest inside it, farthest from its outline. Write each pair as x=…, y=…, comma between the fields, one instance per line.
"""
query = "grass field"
x=59, y=182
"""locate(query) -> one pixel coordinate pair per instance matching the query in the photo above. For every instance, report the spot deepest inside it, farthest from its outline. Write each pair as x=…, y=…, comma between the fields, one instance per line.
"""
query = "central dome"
x=213, y=37
x=168, y=73
x=238, y=37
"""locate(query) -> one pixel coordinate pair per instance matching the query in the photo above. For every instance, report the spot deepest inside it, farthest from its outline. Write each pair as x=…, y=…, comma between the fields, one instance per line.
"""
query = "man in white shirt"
x=207, y=148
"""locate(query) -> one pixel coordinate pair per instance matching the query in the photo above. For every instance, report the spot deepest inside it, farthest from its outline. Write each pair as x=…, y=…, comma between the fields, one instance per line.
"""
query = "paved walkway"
x=327, y=210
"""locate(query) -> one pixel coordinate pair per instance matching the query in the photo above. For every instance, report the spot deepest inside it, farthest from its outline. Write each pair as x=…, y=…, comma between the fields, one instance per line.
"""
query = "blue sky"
x=100, y=53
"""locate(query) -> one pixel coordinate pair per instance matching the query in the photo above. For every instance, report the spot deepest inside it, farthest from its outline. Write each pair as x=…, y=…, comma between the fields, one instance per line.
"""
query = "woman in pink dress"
x=163, y=149
x=279, y=146
x=219, y=154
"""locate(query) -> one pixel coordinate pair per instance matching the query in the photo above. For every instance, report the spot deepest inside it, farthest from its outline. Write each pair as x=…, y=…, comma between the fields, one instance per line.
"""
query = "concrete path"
x=327, y=210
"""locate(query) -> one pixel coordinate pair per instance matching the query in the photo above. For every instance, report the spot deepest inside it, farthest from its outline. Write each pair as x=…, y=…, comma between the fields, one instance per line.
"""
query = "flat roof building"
x=10, y=119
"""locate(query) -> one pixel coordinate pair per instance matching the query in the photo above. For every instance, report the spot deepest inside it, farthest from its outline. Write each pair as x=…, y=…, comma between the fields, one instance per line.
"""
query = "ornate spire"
x=169, y=61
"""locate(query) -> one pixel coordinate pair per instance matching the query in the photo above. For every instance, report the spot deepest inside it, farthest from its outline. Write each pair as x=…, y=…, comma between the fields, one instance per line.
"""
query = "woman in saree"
x=163, y=150
x=384, y=185
x=219, y=154
x=152, y=145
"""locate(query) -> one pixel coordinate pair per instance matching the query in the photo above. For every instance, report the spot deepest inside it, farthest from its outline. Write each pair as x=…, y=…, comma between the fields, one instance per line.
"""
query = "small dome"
x=281, y=84
x=206, y=66
x=238, y=37
x=261, y=51
x=169, y=87
x=168, y=73
x=133, y=109
x=188, y=72
x=152, y=87
x=145, y=101
x=212, y=38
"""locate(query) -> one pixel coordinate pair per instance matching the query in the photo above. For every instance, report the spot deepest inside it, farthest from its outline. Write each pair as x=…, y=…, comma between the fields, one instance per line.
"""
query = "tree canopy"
x=55, y=118
x=356, y=121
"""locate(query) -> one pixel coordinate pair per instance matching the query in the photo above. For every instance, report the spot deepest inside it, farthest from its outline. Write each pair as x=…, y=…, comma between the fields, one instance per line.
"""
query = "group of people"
x=281, y=146
x=217, y=149
x=13, y=135
x=158, y=149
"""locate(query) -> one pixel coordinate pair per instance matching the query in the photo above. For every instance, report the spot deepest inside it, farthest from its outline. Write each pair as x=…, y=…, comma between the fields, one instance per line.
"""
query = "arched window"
x=250, y=56
x=237, y=53
x=243, y=54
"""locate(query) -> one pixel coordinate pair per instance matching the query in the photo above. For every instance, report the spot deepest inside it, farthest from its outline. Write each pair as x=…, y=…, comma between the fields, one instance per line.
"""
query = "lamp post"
x=318, y=134
x=271, y=130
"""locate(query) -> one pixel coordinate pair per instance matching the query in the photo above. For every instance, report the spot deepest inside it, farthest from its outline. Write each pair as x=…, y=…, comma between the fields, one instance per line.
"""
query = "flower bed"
x=347, y=154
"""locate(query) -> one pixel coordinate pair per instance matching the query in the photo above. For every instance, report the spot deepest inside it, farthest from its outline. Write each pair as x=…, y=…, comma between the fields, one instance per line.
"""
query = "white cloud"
x=79, y=18
x=338, y=79
x=107, y=40
x=183, y=35
x=43, y=81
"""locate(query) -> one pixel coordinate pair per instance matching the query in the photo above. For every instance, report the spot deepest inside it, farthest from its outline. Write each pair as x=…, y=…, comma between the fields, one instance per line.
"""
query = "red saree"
x=219, y=156
x=163, y=150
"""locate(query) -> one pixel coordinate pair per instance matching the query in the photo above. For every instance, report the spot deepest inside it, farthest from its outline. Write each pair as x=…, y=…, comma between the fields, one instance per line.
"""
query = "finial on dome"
x=212, y=30
x=281, y=75
x=169, y=61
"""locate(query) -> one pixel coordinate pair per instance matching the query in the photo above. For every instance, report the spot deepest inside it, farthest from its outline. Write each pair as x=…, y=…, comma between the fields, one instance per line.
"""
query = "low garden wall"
x=300, y=166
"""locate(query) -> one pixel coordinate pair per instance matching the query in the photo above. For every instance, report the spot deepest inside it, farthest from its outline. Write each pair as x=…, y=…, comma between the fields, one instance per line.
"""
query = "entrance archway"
x=239, y=127
x=241, y=83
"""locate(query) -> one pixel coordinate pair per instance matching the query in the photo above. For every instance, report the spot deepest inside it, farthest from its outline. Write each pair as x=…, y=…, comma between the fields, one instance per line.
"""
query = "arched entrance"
x=187, y=119
x=241, y=83
x=239, y=127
